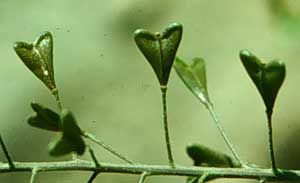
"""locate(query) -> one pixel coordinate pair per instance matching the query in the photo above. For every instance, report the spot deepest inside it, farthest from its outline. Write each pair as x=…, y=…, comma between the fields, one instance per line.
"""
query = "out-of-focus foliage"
x=286, y=13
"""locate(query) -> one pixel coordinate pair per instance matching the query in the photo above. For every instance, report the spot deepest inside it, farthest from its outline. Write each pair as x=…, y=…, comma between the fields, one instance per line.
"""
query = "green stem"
x=193, y=180
x=143, y=177
x=262, y=181
x=55, y=93
x=203, y=177
x=93, y=177
x=33, y=175
x=97, y=164
x=106, y=147
x=94, y=158
x=166, y=129
x=10, y=162
x=74, y=156
x=271, y=148
x=222, y=131
x=157, y=170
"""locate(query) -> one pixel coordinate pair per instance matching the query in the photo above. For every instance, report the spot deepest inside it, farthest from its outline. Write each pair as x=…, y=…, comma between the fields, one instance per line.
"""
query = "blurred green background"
x=107, y=83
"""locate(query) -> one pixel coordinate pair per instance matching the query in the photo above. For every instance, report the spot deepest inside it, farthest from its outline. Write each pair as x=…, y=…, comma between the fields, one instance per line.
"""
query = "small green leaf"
x=61, y=146
x=267, y=77
x=194, y=77
x=160, y=49
x=38, y=57
x=44, y=118
x=204, y=156
x=70, y=127
x=71, y=140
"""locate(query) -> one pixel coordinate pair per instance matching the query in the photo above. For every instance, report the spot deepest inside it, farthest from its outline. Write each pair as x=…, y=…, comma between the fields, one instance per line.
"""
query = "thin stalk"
x=262, y=181
x=94, y=158
x=106, y=147
x=10, y=162
x=93, y=177
x=203, y=177
x=33, y=175
x=166, y=129
x=143, y=177
x=55, y=93
x=225, y=137
x=97, y=164
x=199, y=179
x=74, y=156
x=271, y=148
x=193, y=180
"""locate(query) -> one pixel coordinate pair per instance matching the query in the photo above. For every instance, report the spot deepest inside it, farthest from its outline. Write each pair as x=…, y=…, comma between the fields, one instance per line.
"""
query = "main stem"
x=271, y=148
x=166, y=129
x=226, y=139
x=82, y=165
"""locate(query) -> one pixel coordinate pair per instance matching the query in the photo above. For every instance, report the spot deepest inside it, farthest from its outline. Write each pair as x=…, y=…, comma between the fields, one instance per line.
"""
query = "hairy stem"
x=226, y=139
x=10, y=162
x=106, y=147
x=271, y=148
x=166, y=129
x=157, y=170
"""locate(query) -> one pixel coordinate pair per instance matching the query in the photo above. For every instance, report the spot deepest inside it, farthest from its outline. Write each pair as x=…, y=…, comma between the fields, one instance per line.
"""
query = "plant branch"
x=271, y=148
x=34, y=173
x=94, y=158
x=193, y=180
x=222, y=131
x=200, y=179
x=93, y=177
x=203, y=177
x=10, y=162
x=97, y=164
x=166, y=129
x=262, y=181
x=82, y=165
x=143, y=177
x=106, y=147
x=55, y=93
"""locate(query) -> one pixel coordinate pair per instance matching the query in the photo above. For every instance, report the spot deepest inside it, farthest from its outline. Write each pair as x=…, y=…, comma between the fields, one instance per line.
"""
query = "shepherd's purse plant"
x=159, y=49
